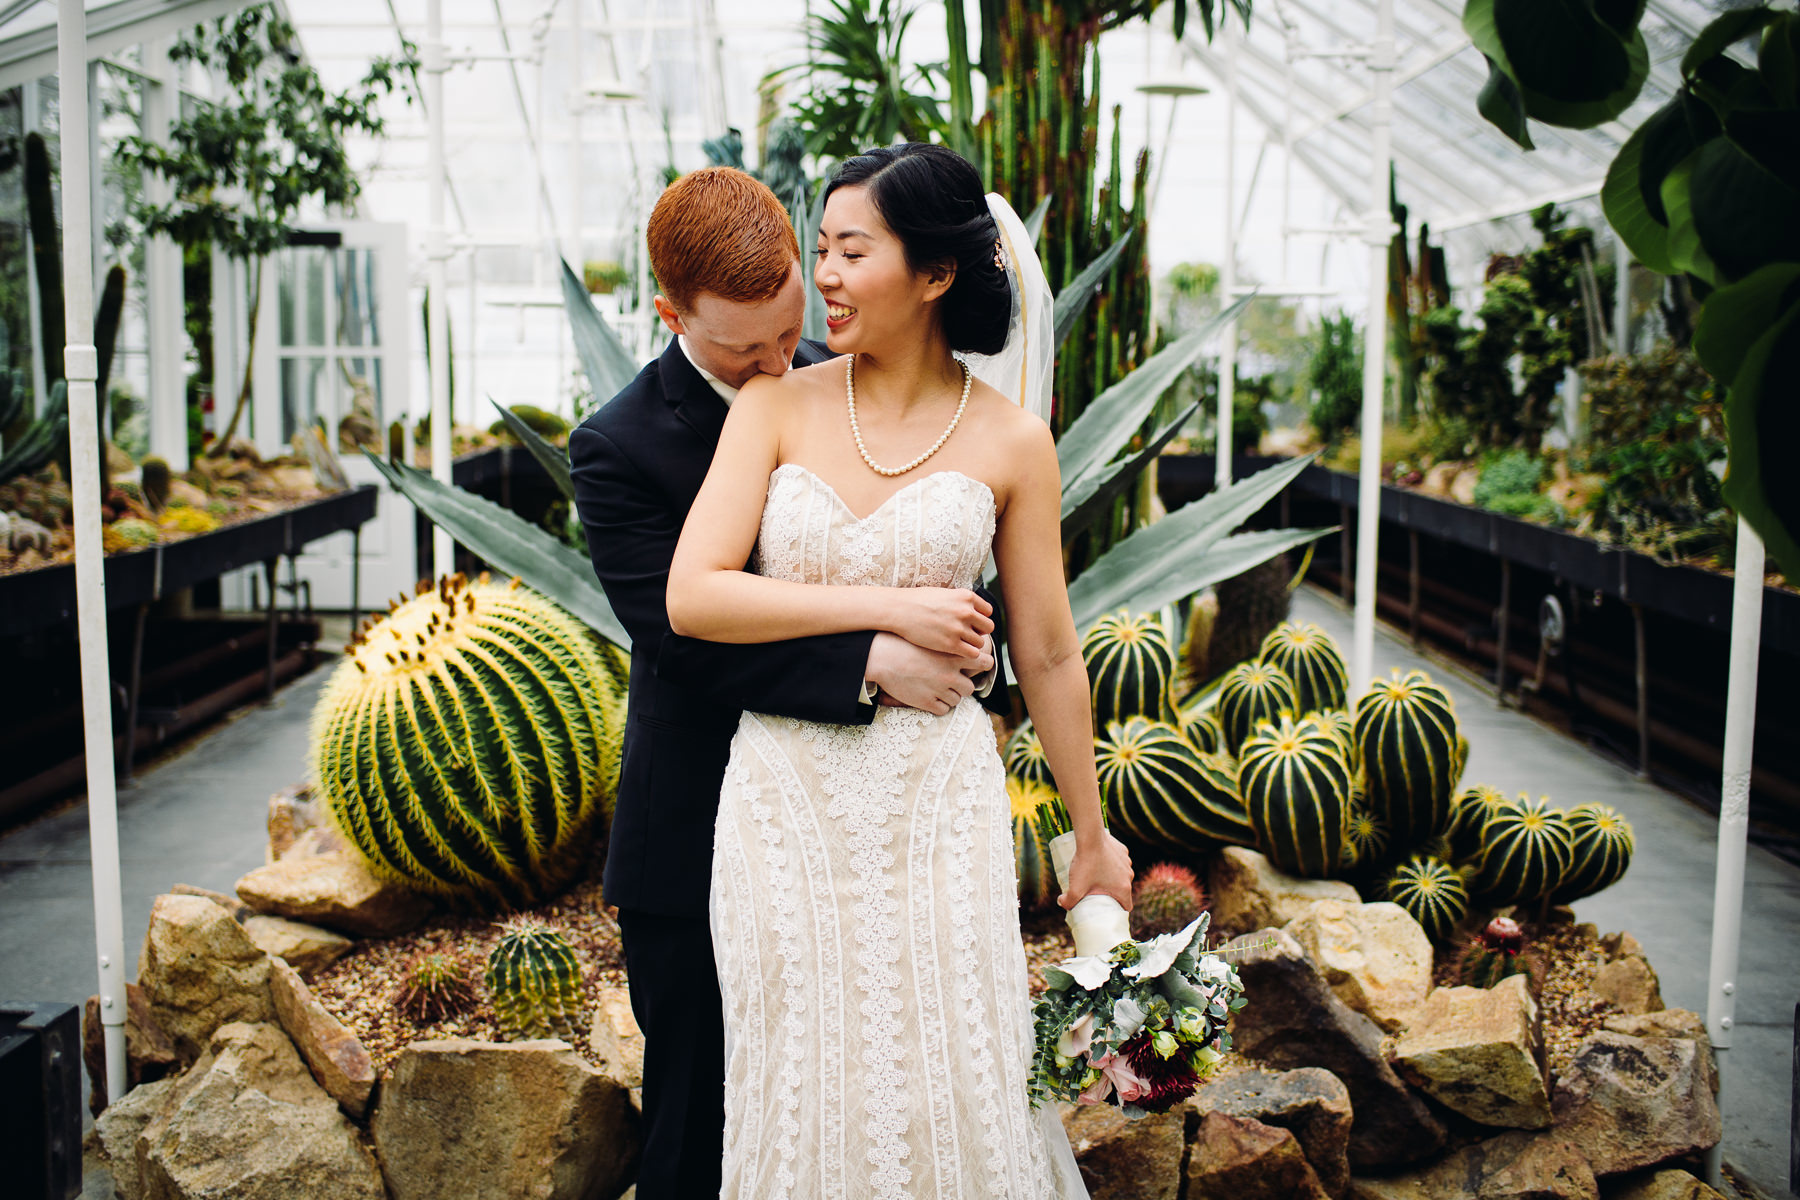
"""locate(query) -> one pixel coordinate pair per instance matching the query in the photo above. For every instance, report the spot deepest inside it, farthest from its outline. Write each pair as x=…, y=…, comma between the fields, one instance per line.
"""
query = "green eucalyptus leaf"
x=511, y=544
x=1034, y=224
x=1108, y=424
x=1760, y=482
x=1624, y=201
x=609, y=366
x=1096, y=490
x=1743, y=215
x=554, y=461
x=1722, y=33
x=1073, y=300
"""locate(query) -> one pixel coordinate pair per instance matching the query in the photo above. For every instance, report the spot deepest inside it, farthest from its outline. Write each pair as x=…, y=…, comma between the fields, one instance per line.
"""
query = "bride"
x=864, y=899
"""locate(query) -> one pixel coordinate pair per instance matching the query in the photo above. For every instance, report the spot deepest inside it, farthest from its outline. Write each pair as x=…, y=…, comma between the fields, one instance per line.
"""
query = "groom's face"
x=735, y=340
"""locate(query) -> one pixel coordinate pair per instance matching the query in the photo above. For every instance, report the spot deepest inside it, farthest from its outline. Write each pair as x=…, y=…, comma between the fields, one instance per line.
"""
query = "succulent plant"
x=1164, y=793
x=156, y=478
x=1526, y=850
x=1495, y=953
x=1411, y=754
x=1431, y=890
x=467, y=746
x=1469, y=811
x=436, y=985
x=1031, y=845
x=1203, y=730
x=1165, y=899
x=1296, y=785
x=1312, y=660
x=1025, y=757
x=1252, y=693
x=185, y=519
x=1130, y=667
x=534, y=982
x=1600, y=852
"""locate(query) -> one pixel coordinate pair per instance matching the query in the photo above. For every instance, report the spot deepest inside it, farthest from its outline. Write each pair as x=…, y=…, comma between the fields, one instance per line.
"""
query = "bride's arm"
x=1046, y=659
x=712, y=597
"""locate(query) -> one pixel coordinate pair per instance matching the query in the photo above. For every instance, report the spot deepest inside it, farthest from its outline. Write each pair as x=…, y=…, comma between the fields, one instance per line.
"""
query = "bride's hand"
x=1099, y=867
x=948, y=620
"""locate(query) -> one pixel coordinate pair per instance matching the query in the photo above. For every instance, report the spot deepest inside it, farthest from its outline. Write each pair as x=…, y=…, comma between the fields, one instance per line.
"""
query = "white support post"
x=443, y=547
x=577, y=106
x=471, y=348
x=163, y=293
x=1228, y=272
x=80, y=362
x=1734, y=806
x=1378, y=235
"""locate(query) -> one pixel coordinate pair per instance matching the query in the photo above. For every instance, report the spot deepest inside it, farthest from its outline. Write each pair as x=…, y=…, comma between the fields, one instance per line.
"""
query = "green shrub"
x=1336, y=377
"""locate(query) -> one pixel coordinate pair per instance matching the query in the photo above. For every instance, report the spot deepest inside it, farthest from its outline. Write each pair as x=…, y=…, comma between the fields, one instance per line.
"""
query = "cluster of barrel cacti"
x=1282, y=761
x=468, y=744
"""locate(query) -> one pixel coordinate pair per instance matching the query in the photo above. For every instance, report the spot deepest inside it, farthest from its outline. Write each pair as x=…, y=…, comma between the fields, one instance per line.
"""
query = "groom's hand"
x=913, y=677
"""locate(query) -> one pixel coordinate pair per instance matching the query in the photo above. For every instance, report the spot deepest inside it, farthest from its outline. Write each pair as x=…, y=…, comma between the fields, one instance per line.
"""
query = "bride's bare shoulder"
x=1011, y=426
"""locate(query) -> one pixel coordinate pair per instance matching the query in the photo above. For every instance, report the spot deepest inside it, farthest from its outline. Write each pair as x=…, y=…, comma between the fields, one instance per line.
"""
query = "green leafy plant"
x=241, y=170
x=1336, y=378
x=861, y=92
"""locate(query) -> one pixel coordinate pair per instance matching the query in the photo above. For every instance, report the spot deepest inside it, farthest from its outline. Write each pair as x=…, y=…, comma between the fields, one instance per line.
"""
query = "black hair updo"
x=932, y=198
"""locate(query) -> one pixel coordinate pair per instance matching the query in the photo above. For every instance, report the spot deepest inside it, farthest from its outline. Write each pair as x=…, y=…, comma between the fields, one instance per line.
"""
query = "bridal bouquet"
x=1136, y=1024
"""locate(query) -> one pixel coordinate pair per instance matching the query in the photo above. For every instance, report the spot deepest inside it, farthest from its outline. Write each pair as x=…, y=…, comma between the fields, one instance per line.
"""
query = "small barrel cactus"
x=1431, y=890
x=1130, y=665
x=1312, y=660
x=436, y=985
x=1025, y=757
x=1203, y=729
x=1031, y=845
x=1469, y=811
x=1251, y=694
x=1600, y=852
x=1166, y=898
x=1164, y=793
x=534, y=982
x=1296, y=785
x=1526, y=850
x=1411, y=754
x=1495, y=953
x=468, y=744
x=1366, y=841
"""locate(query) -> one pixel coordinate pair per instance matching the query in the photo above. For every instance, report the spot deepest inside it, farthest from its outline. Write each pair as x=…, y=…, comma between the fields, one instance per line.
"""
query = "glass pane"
x=357, y=324
x=315, y=295
x=362, y=401
x=286, y=280
x=305, y=394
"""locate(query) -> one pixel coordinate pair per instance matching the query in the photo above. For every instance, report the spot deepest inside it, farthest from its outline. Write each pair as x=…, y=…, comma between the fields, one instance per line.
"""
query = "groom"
x=733, y=292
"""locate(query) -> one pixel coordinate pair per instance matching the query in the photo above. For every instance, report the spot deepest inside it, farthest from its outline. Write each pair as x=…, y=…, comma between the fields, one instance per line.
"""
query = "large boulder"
x=1638, y=1102
x=1292, y=1019
x=1668, y=1022
x=1479, y=1051
x=200, y=970
x=149, y=1054
x=306, y=948
x=1238, y=1158
x=1249, y=893
x=1124, y=1159
x=117, y=1130
x=248, y=1123
x=231, y=904
x=1513, y=1166
x=1376, y=957
x=1668, y=1184
x=337, y=1058
x=336, y=890
x=617, y=1043
x=1311, y=1103
x=1628, y=983
x=502, y=1121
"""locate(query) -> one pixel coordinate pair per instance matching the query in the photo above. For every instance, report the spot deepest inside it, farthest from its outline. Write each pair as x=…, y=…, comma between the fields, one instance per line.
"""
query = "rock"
x=1462, y=486
x=338, y=1060
x=248, y=1121
x=306, y=948
x=1311, y=1103
x=1621, y=945
x=1123, y=1159
x=149, y=1054
x=1249, y=893
x=96, y=1172
x=321, y=840
x=1669, y=1184
x=1479, y=1051
x=117, y=1131
x=615, y=1038
x=231, y=904
x=292, y=811
x=200, y=970
x=1374, y=956
x=336, y=890
x=1670, y=1022
x=481, y=1120
x=1513, y=1166
x=1236, y=1158
x=1438, y=478
x=1294, y=1020
x=1628, y=983
x=1638, y=1102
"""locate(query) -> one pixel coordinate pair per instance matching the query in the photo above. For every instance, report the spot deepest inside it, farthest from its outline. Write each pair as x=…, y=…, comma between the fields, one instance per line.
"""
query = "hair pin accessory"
x=999, y=255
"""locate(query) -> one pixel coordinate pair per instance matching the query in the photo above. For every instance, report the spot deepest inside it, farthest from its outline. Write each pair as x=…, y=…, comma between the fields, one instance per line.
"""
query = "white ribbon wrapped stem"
x=1097, y=921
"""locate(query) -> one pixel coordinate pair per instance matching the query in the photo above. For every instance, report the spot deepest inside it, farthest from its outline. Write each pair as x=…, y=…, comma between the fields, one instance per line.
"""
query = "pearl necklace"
x=856, y=431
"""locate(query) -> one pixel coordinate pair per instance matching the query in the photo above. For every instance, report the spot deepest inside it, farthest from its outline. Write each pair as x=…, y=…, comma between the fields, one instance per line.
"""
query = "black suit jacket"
x=637, y=464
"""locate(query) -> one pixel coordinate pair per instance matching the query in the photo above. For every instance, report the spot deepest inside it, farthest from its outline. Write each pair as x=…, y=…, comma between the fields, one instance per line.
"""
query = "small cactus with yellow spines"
x=534, y=982
x=436, y=985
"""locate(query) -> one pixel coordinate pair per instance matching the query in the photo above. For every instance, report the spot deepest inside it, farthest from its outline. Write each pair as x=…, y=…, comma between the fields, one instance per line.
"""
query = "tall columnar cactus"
x=1031, y=846
x=1164, y=793
x=1312, y=660
x=1600, y=851
x=534, y=982
x=468, y=744
x=1130, y=666
x=1411, y=756
x=1252, y=693
x=1431, y=890
x=1526, y=850
x=1296, y=786
x=1025, y=757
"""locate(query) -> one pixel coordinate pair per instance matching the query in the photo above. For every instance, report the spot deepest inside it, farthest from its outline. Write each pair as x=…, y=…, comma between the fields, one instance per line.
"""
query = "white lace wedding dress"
x=865, y=912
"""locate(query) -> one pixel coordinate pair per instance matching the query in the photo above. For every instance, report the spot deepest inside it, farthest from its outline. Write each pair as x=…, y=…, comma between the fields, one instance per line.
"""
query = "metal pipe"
x=81, y=368
x=1228, y=276
x=1734, y=806
x=443, y=548
x=1378, y=234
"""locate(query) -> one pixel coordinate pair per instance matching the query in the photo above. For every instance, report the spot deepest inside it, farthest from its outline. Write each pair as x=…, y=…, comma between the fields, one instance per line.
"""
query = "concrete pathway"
x=1665, y=899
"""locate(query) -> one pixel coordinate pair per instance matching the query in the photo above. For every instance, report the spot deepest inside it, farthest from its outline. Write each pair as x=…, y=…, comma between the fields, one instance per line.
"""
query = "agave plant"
x=1152, y=567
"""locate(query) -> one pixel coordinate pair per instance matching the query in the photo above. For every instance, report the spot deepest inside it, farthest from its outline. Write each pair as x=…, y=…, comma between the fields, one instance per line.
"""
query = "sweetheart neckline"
x=892, y=496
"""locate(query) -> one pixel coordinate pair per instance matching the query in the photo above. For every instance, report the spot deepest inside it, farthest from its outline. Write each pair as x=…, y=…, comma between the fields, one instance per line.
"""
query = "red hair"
x=718, y=230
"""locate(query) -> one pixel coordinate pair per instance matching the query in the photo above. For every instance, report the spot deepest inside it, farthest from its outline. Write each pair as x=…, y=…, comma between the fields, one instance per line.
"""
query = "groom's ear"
x=669, y=316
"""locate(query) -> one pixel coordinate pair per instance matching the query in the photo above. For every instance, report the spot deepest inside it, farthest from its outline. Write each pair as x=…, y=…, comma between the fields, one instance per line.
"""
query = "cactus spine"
x=1296, y=787
x=436, y=985
x=467, y=747
x=534, y=982
x=1166, y=898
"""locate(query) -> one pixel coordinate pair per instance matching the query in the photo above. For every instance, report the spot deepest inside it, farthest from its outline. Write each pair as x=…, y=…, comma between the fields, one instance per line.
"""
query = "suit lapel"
x=693, y=401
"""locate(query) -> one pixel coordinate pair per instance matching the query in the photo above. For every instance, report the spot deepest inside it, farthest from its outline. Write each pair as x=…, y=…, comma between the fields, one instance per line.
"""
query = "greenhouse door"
x=332, y=347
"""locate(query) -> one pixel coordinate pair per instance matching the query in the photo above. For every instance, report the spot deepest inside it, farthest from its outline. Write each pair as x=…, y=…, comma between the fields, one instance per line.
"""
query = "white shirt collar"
x=726, y=392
